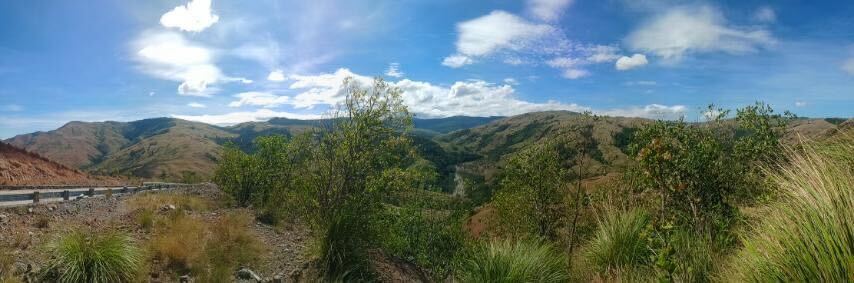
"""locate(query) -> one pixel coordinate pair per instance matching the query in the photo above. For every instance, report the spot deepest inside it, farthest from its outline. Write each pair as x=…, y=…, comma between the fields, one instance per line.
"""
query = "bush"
x=90, y=257
x=514, y=261
x=808, y=237
x=431, y=239
x=620, y=242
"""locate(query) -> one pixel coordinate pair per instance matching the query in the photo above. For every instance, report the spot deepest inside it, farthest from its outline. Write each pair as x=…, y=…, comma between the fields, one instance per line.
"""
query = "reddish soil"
x=19, y=167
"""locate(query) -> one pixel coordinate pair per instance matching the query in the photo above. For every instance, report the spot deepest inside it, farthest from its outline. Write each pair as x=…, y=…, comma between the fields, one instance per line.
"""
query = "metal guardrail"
x=19, y=195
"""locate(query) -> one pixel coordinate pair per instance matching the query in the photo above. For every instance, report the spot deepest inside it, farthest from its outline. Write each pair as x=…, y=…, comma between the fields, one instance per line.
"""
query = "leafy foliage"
x=699, y=171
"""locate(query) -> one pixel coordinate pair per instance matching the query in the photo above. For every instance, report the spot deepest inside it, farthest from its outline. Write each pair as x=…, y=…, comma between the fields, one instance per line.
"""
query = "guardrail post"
x=36, y=197
x=109, y=193
x=91, y=192
x=125, y=190
x=66, y=195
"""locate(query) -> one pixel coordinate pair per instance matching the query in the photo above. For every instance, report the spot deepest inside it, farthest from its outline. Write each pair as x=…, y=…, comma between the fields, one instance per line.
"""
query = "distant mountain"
x=144, y=148
x=19, y=167
x=168, y=147
x=450, y=124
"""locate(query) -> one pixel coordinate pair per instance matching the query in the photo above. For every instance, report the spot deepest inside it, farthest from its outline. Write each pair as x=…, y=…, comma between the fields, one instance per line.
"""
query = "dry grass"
x=156, y=200
x=208, y=250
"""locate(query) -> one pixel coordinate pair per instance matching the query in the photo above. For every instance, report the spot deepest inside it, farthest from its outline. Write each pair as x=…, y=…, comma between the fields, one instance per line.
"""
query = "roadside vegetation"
x=680, y=210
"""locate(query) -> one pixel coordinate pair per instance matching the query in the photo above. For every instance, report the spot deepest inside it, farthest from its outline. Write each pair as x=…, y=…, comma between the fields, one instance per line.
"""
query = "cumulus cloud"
x=276, y=76
x=547, y=10
x=499, y=31
x=258, y=98
x=196, y=16
x=848, y=66
x=170, y=56
x=628, y=63
x=800, y=103
x=244, y=116
x=470, y=97
x=765, y=14
x=685, y=30
x=456, y=61
x=394, y=70
x=196, y=105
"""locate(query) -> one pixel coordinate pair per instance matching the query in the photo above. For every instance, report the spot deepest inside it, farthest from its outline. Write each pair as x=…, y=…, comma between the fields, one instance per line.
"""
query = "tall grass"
x=88, y=257
x=619, y=241
x=514, y=261
x=809, y=237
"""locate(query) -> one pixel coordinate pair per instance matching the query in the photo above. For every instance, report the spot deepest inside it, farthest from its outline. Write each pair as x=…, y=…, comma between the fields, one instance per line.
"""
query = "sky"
x=226, y=62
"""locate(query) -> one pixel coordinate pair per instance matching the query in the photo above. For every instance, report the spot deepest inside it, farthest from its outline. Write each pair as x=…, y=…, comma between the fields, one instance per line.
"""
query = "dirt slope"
x=19, y=167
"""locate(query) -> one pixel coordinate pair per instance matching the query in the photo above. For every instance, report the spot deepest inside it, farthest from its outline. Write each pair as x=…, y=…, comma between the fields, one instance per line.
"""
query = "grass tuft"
x=89, y=257
x=619, y=241
x=515, y=261
x=809, y=236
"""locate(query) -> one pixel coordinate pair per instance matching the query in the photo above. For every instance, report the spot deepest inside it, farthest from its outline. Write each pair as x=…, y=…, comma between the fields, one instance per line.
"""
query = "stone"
x=4, y=218
x=248, y=274
x=168, y=207
x=184, y=279
x=29, y=210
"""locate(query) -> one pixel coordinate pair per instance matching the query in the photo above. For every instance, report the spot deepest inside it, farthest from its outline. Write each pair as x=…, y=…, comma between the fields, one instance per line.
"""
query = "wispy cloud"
x=683, y=30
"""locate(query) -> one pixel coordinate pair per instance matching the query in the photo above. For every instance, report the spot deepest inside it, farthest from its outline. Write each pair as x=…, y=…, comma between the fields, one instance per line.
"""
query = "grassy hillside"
x=168, y=147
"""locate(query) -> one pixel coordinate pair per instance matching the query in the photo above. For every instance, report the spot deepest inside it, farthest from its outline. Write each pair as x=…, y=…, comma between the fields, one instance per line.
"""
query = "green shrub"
x=514, y=261
x=431, y=239
x=90, y=257
x=808, y=237
x=619, y=242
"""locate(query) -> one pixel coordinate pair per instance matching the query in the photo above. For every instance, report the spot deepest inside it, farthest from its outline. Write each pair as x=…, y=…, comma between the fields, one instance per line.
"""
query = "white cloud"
x=323, y=89
x=628, y=63
x=685, y=30
x=642, y=83
x=151, y=93
x=196, y=105
x=394, y=70
x=583, y=55
x=11, y=108
x=196, y=16
x=170, y=56
x=800, y=103
x=257, y=98
x=240, y=117
x=498, y=31
x=573, y=74
x=456, y=61
x=547, y=10
x=653, y=111
x=471, y=97
x=848, y=66
x=511, y=81
x=765, y=14
x=276, y=76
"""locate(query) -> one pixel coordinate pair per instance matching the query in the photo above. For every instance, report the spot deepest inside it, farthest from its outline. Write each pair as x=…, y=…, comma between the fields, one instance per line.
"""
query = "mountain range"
x=169, y=148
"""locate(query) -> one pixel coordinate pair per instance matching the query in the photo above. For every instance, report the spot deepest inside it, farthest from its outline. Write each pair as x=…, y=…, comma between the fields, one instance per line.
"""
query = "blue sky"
x=227, y=62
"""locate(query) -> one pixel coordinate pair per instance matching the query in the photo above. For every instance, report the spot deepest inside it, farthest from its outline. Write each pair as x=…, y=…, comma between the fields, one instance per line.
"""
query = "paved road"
x=25, y=196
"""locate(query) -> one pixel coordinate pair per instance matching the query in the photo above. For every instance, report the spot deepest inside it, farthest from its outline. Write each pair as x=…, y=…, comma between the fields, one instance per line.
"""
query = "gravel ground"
x=24, y=230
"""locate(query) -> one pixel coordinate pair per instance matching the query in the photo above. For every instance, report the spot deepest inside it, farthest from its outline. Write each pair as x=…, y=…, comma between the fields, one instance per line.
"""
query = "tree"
x=359, y=154
x=530, y=200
